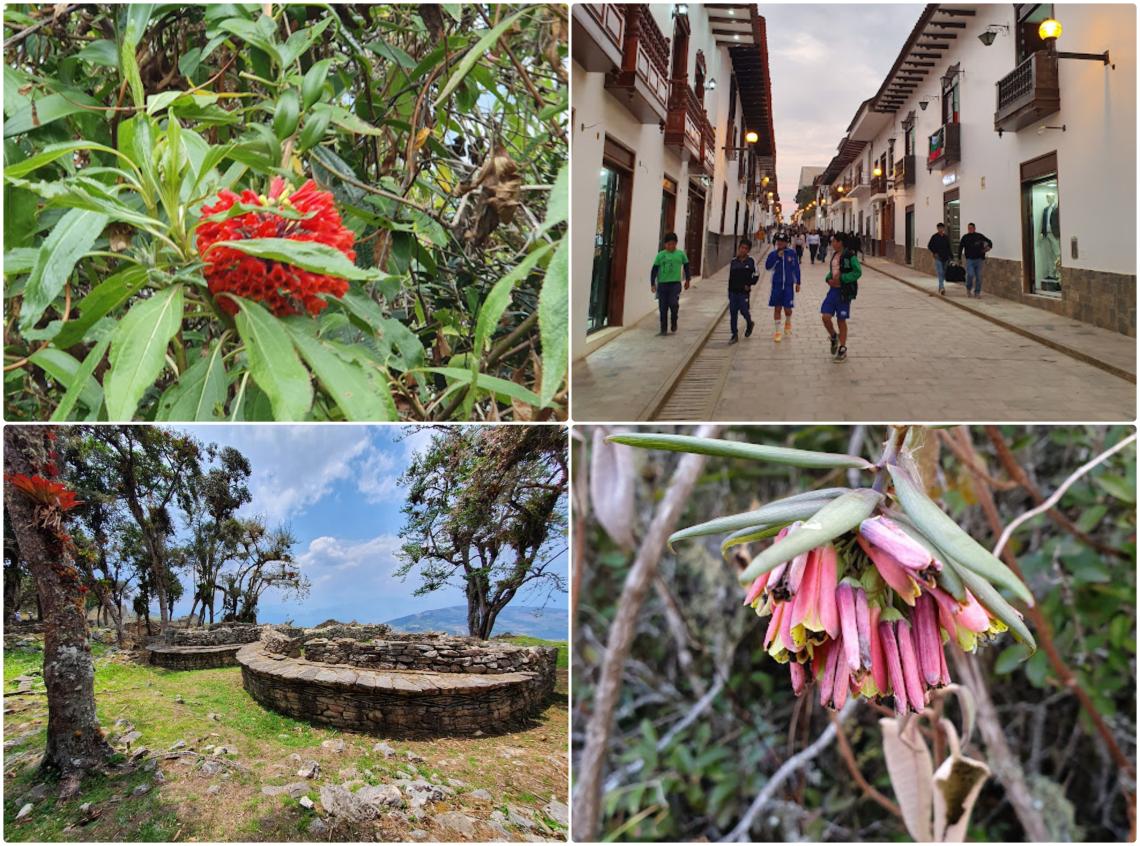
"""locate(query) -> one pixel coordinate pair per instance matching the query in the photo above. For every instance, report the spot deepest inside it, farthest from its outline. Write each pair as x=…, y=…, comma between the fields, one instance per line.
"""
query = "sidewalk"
x=629, y=376
x=1109, y=351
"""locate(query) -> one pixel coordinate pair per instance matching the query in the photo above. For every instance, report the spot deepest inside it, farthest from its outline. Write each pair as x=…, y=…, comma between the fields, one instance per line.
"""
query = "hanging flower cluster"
x=864, y=586
x=308, y=214
x=865, y=616
x=45, y=492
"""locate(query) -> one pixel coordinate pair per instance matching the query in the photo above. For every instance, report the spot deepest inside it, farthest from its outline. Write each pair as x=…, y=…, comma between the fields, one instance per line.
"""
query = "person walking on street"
x=843, y=285
x=742, y=275
x=798, y=243
x=939, y=246
x=974, y=246
x=669, y=267
x=785, y=269
x=813, y=245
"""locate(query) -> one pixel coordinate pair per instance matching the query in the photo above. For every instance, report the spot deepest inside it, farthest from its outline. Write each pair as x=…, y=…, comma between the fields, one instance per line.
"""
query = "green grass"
x=179, y=809
x=563, y=652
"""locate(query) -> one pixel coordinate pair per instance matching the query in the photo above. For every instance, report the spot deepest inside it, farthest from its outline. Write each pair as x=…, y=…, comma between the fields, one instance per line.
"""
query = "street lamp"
x=681, y=10
x=711, y=84
x=987, y=37
x=877, y=172
x=1050, y=30
x=752, y=136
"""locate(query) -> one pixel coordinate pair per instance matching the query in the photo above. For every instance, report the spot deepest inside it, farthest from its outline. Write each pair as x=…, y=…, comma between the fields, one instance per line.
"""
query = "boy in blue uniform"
x=665, y=280
x=742, y=276
x=785, y=269
x=842, y=279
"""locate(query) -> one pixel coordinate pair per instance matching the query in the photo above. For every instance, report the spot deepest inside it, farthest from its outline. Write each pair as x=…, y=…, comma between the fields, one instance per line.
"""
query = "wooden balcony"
x=687, y=127
x=879, y=187
x=598, y=36
x=1028, y=93
x=904, y=171
x=642, y=81
x=945, y=147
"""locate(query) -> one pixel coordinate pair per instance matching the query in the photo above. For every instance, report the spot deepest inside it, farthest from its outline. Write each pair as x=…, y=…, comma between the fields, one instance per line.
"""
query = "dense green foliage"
x=440, y=132
x=694, y=633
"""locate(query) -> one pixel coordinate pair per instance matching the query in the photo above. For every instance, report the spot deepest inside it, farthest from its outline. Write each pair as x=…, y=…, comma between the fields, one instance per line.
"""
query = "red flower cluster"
x=44, y=491
x=285, y=289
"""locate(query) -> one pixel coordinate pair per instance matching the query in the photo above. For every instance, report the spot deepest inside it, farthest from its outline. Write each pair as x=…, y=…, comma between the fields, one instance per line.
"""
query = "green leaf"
x=307, y=255
x=347, y=120
x=66, y=370
x=80, y=387
x=138, y=15
x=797, y=507
x=492, y=384
x=101, y=52
x=937, y=527
x=554, y=322
x=750, y=535
x=738, y=449
x=1117, y=487
x=1010, y=657
x=104, y=298
x=51, y=153
x=273, y=362
x=839, y=516
x=72, y=237
x=558, y=205
x=155, y=103
x=200, y=393
x=499, y=298
x=346, y=383
x=993, y=602
x=138, y=350
x=476, y=52
x=46, y=110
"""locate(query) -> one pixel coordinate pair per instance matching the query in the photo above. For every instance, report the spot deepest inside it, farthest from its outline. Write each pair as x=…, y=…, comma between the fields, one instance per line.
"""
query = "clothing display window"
x=1041, y=232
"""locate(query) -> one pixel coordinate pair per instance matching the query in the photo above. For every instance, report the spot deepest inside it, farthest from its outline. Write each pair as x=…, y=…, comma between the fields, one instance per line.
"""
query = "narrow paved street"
x=912, y=357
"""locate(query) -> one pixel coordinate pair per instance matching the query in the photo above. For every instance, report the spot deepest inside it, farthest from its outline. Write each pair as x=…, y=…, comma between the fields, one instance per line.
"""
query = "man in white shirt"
x=813, y=244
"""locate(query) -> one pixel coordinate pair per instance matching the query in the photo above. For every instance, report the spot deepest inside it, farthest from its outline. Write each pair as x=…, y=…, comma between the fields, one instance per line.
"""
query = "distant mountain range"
x=546, y=623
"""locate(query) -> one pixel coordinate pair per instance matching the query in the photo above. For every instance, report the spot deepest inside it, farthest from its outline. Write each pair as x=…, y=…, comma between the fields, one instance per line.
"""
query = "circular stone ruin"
x=368, y=678
x=204, y=648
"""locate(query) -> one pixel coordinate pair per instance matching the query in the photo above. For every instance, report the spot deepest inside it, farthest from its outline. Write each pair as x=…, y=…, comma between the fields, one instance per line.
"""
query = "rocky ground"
x=198, y=759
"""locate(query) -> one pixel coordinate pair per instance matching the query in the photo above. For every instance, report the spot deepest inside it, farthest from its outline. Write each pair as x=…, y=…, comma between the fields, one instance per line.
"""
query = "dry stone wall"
x=216, y=635
x=340, y=681
x=194, y=657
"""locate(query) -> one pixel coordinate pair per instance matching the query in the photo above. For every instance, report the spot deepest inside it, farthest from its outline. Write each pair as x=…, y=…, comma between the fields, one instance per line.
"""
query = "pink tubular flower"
x=814, y=608
x=900, y=579
x=912, y=679
x=885, y=534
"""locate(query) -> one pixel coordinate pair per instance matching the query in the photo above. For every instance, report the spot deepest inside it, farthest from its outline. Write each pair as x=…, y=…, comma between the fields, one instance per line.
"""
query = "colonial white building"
x=982, y=119
x=671, y=132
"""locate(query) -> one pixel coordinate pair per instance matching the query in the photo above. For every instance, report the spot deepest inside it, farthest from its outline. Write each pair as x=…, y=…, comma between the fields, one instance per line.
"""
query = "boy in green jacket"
x=843, y=282
x=665, y=276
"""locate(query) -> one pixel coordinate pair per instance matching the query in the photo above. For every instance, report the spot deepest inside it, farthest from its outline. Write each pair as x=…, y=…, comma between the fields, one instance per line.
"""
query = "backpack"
x=848, y=290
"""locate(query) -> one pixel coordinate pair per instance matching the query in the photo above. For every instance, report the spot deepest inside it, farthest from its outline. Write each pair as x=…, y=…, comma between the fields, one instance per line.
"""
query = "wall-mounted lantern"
x=1050, y=30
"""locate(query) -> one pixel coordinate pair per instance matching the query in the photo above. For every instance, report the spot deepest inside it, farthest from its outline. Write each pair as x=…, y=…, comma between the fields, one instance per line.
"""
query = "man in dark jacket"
x=939, y=246
x=742, y=275
x=974, y=246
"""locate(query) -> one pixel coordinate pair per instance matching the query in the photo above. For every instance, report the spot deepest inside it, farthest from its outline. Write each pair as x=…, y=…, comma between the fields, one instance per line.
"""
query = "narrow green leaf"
x=837, y=517
x=307, y=255
x=273, y=362
x=738, y=449
x=138, y=15
x=138, y=350
x=53, y=152
x=558, y=204
x=104, y=298
x=798, y=507
x=69, y=241
x=45, y=110
x=994, y=602
x=200, y=393
x=492, y=384
x=346, y=383
x=749, y=535
x=949, y=537
x=81, y=384
x=500, y=297
x=554, y=322
x=66, y=370
x=476, y=52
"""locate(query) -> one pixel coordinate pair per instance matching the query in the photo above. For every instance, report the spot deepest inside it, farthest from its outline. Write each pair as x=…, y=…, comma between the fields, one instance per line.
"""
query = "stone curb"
x=1057, y=346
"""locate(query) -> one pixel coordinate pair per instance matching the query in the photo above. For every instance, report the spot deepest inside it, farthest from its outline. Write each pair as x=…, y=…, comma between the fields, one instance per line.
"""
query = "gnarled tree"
x=486, y=511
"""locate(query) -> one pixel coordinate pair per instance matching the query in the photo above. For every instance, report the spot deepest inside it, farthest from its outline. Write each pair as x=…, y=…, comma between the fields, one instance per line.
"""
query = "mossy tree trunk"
x=75, y=742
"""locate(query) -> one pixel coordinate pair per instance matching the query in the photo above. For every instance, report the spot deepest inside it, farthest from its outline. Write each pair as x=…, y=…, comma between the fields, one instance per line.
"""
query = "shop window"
x=952, y=217
x=1041, y=225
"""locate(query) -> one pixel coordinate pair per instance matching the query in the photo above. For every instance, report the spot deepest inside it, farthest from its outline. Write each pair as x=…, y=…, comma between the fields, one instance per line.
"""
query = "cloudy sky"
x=336, y=487
x=825, y=61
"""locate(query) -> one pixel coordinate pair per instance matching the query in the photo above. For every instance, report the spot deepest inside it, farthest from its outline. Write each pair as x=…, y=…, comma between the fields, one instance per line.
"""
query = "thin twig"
x=1060, y=492
x=588, y=792
x=848, y=756
x=742, y=832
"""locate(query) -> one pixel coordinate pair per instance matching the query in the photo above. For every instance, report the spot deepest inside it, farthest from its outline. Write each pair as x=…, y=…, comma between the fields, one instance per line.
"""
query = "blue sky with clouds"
x=336, y=487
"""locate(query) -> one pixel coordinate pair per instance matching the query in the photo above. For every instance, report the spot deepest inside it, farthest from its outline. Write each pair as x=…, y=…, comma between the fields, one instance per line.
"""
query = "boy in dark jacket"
x=844, y=269
x=785, y=269
x=939, y=246
x=742, y=276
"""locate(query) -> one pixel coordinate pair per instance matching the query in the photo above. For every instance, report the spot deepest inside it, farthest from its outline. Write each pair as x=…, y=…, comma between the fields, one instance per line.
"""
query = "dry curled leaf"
x=612, y=478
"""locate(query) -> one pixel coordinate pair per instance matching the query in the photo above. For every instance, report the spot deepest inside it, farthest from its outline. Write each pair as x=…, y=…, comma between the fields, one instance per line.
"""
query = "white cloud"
x=330, y=555
x=377, y=476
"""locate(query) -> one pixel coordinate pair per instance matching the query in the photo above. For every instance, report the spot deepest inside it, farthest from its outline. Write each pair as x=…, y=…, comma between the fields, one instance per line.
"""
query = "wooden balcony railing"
x=904, y=171
x=944, y=147
x=642, y=81
x=598, y=36
x=687, y=126
x=1028, y=93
